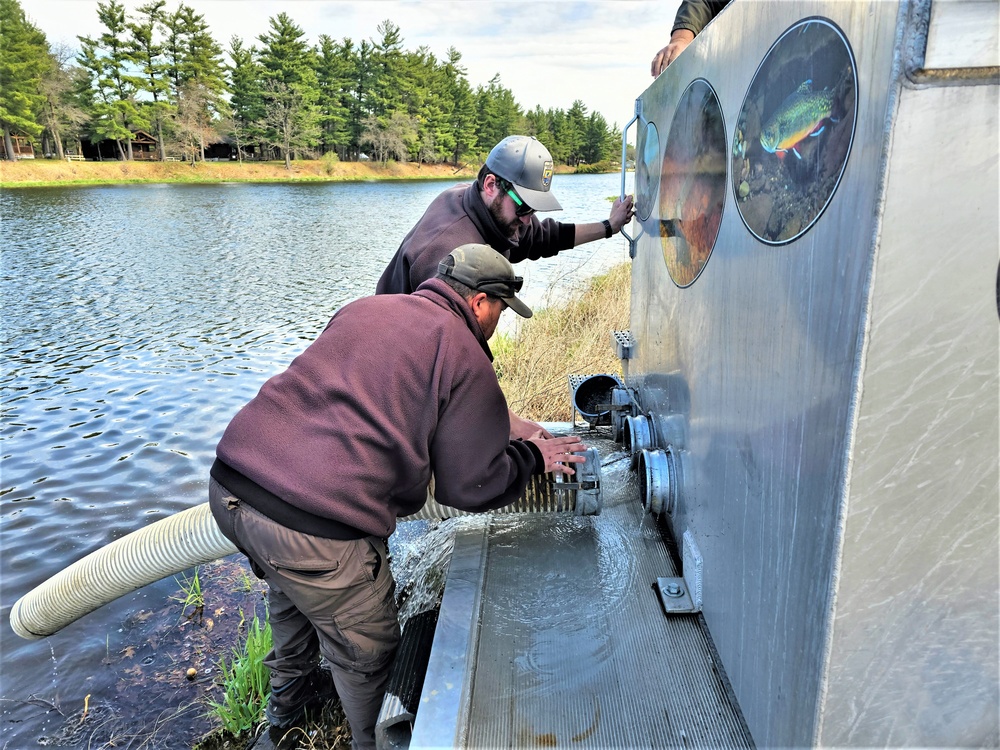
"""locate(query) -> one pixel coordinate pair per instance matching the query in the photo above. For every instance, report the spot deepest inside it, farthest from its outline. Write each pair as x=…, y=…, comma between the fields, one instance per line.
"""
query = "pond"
x=136, y=321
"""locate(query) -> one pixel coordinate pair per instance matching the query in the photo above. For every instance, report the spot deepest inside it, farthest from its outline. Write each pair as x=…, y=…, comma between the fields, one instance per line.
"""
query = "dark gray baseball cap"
x=485, y=270
x=524, y=162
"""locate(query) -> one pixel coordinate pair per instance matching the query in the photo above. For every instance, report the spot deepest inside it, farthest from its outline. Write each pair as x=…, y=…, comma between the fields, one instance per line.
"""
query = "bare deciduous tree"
x=389, y=139
x=290, y=122
x=193, y=125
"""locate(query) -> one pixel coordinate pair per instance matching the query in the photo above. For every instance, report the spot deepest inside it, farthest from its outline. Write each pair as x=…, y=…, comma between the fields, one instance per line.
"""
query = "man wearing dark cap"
x=498, y=210
x=313, y=472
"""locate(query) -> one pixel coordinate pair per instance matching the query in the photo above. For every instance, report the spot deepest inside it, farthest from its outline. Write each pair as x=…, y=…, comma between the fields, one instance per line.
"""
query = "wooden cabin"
x=23, y=148
x=144, y=148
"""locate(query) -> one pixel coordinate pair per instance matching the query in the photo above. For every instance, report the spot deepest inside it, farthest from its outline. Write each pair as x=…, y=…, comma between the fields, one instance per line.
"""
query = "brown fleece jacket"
x=397, y=387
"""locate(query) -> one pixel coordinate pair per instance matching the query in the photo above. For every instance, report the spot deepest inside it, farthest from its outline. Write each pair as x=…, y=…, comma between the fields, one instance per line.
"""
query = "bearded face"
x=502, y=210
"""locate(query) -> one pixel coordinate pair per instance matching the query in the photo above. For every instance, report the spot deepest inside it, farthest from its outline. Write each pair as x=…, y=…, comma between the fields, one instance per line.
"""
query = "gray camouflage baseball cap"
x=524, y=162
x=485, y=270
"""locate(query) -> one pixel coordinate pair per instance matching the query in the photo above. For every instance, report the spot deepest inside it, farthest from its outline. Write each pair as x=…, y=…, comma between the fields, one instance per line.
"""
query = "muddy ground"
x=159, y=704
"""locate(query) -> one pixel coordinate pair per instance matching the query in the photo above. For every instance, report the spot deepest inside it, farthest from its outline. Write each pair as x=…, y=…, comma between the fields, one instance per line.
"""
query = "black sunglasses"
x=501, y=287
x=521, y=208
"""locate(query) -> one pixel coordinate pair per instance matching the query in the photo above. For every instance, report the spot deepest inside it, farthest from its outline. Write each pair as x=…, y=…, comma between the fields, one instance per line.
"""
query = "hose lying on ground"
x=185, y=539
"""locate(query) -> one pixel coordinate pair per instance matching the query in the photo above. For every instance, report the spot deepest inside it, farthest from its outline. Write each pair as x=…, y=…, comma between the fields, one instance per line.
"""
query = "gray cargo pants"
x=325, y=596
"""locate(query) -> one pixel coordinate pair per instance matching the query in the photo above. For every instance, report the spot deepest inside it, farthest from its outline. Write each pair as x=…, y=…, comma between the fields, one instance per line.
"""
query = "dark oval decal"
x=692, y=183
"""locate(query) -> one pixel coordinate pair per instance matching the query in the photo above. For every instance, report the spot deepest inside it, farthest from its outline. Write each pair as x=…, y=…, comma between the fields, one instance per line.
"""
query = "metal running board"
x=551, y=634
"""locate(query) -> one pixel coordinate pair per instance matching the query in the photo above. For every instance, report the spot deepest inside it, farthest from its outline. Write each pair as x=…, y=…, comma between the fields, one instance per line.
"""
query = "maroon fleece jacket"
x=458, y=217
x=397, y=387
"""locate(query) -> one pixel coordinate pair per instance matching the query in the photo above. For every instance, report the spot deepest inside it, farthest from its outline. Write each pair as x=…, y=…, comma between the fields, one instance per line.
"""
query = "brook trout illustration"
x=802, y=115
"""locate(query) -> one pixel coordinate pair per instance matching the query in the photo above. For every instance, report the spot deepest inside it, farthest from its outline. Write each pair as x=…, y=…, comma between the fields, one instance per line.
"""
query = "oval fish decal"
x=802, y=115
x=794, y=132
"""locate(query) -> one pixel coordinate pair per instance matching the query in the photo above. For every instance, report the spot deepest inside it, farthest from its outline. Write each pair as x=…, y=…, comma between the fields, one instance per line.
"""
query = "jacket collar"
x=444, y=296
x=482, y=219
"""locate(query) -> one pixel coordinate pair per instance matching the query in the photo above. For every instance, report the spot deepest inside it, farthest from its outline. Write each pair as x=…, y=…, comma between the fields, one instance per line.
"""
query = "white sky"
x=549, y=52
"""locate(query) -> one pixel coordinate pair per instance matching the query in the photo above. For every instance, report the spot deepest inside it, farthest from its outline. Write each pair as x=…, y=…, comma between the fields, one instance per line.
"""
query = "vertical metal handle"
x=638, y=111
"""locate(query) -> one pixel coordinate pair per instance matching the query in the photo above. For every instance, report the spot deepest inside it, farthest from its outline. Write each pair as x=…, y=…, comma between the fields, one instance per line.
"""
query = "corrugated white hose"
x=161, y=549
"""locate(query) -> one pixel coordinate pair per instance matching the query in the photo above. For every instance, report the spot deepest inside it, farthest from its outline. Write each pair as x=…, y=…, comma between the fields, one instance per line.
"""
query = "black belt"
x=278, y=510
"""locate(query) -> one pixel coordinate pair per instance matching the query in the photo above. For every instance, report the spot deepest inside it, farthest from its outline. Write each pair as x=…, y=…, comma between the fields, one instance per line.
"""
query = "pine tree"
x=361, y=83
x=538, y=122
x=426, y=102
x=349, y=65
x=195, y=68
x=558, y=145
x=333, y=75
x=290, y=88
x=388, y=85
x=597, y=139
x=572, y=134
x=246, y=99
x=498, y=114
x=116, y=113
x=24, y=61
x=148, y=56
x=463, y=111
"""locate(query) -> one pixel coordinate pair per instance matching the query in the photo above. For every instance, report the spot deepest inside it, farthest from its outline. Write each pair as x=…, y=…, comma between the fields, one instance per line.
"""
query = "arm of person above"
x=558, y=452
x=525, y=428
x=692, y=16
x=622, y=212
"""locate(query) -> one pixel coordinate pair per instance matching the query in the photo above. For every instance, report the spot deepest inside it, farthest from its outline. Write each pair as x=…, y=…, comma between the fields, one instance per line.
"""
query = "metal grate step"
x=554, y=636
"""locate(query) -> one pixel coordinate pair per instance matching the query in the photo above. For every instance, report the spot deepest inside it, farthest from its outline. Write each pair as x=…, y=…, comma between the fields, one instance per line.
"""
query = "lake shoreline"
x=51, y=173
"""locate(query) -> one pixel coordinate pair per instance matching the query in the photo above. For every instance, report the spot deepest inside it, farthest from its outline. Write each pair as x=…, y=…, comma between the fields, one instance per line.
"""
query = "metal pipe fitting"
x=658, y=481
x=621, y=409
x=638, y=434
x=592, y=397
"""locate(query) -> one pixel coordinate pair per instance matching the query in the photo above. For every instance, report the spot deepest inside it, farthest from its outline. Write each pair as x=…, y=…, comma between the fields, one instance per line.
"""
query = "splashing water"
x=421, y=553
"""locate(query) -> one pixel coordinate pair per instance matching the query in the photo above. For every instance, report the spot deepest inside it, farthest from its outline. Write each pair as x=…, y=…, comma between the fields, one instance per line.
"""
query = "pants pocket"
x=370, y=632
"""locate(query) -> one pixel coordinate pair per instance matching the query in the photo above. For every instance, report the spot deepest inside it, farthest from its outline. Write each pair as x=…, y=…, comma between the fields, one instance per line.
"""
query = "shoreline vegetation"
x=54, y=173
x=534, y=362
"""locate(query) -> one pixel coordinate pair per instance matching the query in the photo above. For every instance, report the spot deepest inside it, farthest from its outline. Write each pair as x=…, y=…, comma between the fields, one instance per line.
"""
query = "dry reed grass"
x=534, y=363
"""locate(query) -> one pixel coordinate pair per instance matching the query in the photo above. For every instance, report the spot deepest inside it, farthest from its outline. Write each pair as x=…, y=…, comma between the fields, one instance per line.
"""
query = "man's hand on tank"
x=679, y=41
x=559, y=452
x=622, y=212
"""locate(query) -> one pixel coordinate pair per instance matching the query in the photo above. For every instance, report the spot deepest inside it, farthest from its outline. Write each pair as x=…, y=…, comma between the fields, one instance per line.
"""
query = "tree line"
x=162, y=72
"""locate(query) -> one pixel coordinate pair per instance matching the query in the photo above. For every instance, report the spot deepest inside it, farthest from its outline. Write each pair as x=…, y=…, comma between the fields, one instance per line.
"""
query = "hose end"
x=18, y=626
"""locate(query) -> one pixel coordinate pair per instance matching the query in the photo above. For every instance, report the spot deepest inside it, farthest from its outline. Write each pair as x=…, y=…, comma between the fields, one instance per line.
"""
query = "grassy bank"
x=50, y=172
x=571, y=339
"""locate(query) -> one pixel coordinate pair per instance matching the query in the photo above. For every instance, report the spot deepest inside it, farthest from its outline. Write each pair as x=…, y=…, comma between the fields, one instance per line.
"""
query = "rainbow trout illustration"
x=802, y=115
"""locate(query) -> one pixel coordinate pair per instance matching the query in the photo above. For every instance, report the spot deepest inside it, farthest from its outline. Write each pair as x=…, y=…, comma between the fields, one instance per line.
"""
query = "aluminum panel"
x=914, y=654
x=760, y=357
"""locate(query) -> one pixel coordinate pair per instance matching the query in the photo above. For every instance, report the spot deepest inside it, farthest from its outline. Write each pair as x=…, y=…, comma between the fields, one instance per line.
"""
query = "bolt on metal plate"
x=675, y=596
